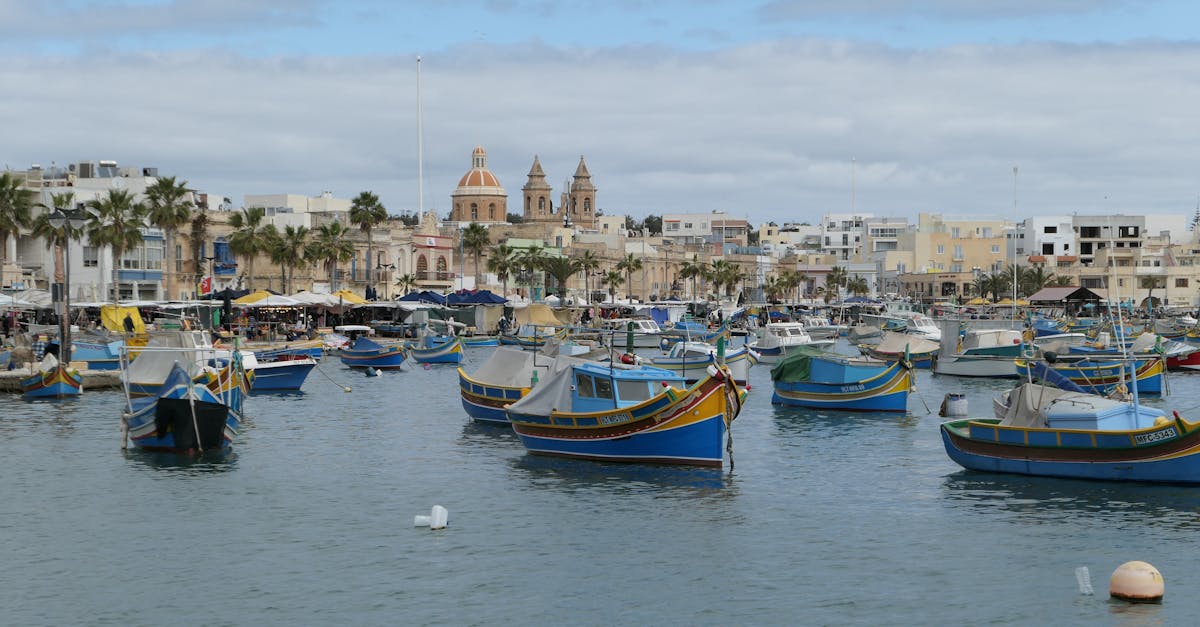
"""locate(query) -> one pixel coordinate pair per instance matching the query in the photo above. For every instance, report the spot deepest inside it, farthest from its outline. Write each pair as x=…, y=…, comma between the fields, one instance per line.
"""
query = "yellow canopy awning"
x=113, y=319
x=348, y=297
x=978, y=300
x=252, y=297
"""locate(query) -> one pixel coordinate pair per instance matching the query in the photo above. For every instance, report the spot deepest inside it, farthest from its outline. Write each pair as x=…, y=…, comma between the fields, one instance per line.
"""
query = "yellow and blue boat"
x=811, y=378
x=628, y=414
x=366, y=353
x=507, y=375
x=1105, y=377
x=1044, y=431
x=53, y=380
x=437, y=349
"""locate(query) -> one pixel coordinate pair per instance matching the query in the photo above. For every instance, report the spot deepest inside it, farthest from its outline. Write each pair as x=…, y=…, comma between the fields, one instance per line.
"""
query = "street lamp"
x=387, y=269
x=68, y=221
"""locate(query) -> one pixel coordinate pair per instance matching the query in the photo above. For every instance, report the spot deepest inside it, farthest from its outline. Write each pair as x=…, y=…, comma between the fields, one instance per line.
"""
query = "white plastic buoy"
x=1137, y=582
x=373, y=372
x=954, y=405
x=437, y=518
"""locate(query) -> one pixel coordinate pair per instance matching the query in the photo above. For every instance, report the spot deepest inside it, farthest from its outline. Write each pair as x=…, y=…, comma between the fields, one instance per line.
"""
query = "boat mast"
x=1014, y=245
x=420, y=151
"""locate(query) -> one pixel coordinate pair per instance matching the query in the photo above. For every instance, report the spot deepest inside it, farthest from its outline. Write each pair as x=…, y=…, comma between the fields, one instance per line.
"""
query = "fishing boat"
x=691, y=330
x=893, y=346
x=810, y=378
x=145, y=369
x=437, y=349
x=989, y=353
x=507, y=375
x=1044, y=431
x=367, y=353
x=1106, y=376
x=98, y=353
x=922, y=326
x=646, y=332
x=282, y=371
x=187, y=413
x=780, y=338
x=478, y=341
x=612, y=412
x=821, y=328
x=531, y=335
x=691, y=360
x=52, y=380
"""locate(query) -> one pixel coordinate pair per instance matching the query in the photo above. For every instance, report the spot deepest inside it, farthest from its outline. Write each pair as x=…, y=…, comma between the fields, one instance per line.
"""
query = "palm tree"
x=366, y=212
x=587, y=261
x=562, y=269
x=836, y=279
x=475, y=240
x=169, y=208
x=16, y=210
x=406, y=282
x=529, y=261
x=774, y=287
x=249, y=237
x=198, y=234
x=1062, y=280
x=630, y=264
x=287, y=249
x=1149, y=283
x=1034, y=279
x=116, y=221
x=330, y=246
x=999, y=283
x=59, y=237
x=692, y=270
x=613, y=278
x=858, y=286
x=725, y=274
x=500, y=261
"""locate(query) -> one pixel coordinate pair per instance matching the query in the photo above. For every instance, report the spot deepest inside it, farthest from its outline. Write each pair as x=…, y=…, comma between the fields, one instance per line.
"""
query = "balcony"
x=436, y=277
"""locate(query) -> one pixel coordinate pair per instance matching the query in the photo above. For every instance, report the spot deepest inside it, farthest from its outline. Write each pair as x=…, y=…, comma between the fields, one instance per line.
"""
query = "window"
x=422, y=266
x=179, y=257
x=954, y=232
x=583, y=385
x=995, y=249
x=941, y=249
x=1050, y=229
x=587, y=205
x=958, y=251
x=541, y=204
x=1181, y=282
x=604, y=387
x=474, y=212
x=672, y=226
x=633, y=390
x=492, y=211
x=1048, y=249
x=91, y=256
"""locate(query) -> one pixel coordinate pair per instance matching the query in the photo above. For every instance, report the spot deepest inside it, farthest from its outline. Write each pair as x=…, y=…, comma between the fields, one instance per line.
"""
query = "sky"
x=777, y=110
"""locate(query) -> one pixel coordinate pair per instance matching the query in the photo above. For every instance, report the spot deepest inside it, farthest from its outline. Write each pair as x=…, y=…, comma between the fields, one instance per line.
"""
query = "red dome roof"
x=479, y=178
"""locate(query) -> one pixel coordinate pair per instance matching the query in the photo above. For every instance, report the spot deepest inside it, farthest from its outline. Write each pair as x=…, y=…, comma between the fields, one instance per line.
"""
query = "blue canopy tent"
x=474, y=297
x=424, y=296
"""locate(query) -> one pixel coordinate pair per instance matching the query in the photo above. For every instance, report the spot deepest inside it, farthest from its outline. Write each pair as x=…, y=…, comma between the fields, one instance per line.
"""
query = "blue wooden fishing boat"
x=367, y=353
x=99, y=354
x=507, y=375
x=478, y=341
x=437, y=349
x=1044, y=431
x=53, y=380
x=187, y=415
x=1106, y=376
x=531, y=336
x=810, y=378
x=628, y=414
x=282, y=372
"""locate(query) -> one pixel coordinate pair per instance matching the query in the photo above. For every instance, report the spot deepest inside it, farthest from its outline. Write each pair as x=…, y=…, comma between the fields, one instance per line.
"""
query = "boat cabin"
x=640, y=325
x=596, y=387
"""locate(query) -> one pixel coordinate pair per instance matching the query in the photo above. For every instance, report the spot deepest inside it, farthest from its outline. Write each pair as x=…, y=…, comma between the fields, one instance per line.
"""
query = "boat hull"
x=484, y=402
x=449, y=352
x=694, y=368
x=386, y=358
x=1166, y=453
x=676, y=427
x=990, y=366
x=887, y=391
x=61, y=382
x=283, y=375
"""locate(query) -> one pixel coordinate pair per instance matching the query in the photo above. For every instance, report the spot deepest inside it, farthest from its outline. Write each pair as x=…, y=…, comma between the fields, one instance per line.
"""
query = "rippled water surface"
x=825, y=519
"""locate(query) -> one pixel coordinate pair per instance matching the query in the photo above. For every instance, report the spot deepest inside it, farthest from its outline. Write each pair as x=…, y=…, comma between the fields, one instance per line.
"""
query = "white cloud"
x=766, y=130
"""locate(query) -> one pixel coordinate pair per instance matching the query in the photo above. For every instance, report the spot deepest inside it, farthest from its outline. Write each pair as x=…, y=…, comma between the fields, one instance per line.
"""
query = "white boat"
x=991, y=353
x=778, y=338
x=821, y=328
x=921, y=325
x=646, y=332
x=691, y=360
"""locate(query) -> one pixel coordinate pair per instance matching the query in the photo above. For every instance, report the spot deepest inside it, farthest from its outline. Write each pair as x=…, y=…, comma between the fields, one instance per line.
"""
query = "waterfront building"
x=479, y=197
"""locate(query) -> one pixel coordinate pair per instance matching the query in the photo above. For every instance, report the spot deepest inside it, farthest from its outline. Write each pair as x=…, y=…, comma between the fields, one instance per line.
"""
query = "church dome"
x=479, y=176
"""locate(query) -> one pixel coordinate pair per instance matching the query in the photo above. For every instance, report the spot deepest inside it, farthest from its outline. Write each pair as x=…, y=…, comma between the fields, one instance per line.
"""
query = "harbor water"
x=824, y=519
